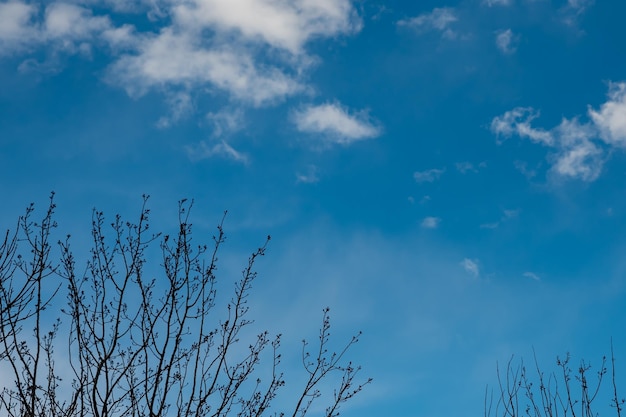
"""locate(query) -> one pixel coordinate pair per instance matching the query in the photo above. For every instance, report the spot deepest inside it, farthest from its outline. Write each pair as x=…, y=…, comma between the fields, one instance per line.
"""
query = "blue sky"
x=446, y=176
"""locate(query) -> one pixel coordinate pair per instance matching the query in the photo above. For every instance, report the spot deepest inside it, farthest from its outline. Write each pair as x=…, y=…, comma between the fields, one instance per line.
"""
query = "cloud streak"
x=221, y=150
x=491, y=3
x=439, y=19
x=532, y=276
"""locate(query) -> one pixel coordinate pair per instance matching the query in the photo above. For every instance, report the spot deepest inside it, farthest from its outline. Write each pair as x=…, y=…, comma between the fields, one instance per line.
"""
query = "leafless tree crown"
x=582, y=392
x=136, y=345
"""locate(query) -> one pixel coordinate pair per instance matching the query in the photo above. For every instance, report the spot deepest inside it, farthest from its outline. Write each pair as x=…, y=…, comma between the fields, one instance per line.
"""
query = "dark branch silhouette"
x=140, y=346
x=562, y=393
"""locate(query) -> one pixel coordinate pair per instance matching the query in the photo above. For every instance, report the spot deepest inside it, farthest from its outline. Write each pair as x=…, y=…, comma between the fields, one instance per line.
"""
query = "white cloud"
x=121, y=38
x=226, y=121
x=440, y=19
x=517, y=121
x=574, y=9
x=611, y=118
x=505, y=41
x=506, y=216
x=532, y=276
x=579, y=151
x=309, y=176
x=175, y=59
x=181, y=106
x=64, y=26
x=281, y=24
x=522, y=167
x=71, y=22
x=16, y=26
x=579, y=4
x=491, y=3
x=430, y=222
x=510, y=214
x=575, y=154
x=471, y=266
x=430, y=175
x=221, y=149
x=219, y=43
x=578, y=148
x=583, y=162
x=335, y=123
x=152, y=8
x=253, y=51
x=465, y=167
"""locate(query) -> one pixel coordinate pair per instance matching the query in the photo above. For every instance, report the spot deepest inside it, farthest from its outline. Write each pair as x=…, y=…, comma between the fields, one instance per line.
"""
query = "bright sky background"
x=448, y=177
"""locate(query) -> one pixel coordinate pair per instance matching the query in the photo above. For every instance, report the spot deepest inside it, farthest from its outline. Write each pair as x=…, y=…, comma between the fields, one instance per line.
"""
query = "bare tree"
x=141, y=346
x=562, y=393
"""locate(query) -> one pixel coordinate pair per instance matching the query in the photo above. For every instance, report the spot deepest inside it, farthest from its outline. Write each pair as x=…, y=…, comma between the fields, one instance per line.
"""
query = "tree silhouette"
x=141, y=346
x=562, y=393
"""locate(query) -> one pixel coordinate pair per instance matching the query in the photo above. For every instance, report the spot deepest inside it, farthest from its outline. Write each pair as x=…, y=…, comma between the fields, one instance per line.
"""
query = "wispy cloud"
x=506, y=216
x=226, y=121
x=491, y=3
x=430, y=222
x=222, y=150
x=471, y=266
x=522, y=166
x=572, y=11
x=335, y=123
x=439, y=19
x=308, y=176
x=506, y=41
x=518, y=122
x=430, y=175
x=532, y=276
x=510, y=214
x=181, y=106
x=466, y=167
x=579, y=149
